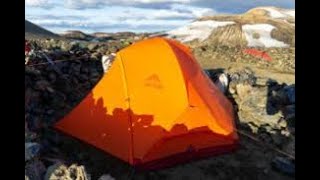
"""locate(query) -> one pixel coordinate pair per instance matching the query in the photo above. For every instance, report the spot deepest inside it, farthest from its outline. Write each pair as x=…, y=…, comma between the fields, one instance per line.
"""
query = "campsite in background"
x=159, y=90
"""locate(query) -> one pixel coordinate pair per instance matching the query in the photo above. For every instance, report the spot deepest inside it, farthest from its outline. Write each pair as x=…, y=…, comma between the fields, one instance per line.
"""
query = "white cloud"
x=122, y=18
x=241, y=6
x=195, y=11
x=126, y=15
x=221, y=5
x=84, y=4
x=152, y=14
x=159, y=1
x=39, y=3
x=107, y=25
x=36, y=2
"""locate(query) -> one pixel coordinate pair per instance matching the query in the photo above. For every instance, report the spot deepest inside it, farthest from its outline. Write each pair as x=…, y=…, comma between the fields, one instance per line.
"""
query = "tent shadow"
x=98, y=123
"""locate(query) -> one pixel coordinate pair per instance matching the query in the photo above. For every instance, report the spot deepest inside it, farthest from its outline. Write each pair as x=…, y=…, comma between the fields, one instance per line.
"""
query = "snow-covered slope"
x=259, y=27
x=264, y=33
x=279, y=13
x=200, y=30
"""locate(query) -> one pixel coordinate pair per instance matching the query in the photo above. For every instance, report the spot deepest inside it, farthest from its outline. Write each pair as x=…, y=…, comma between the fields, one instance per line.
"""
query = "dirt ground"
x=250, y=161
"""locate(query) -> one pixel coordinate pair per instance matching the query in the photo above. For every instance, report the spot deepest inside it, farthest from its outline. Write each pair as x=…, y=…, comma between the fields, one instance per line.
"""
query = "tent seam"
x=128, y=99
x=168, y=45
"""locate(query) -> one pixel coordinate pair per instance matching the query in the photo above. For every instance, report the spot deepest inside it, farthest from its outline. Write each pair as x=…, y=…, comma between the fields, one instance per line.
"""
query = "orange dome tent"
x=155, y=107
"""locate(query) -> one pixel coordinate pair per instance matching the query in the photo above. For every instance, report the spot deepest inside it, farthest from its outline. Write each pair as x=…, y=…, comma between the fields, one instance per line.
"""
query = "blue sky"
x=132, y=15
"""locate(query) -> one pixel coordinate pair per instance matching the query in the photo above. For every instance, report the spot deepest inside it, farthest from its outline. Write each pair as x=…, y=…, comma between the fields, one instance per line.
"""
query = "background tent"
x=153, y=108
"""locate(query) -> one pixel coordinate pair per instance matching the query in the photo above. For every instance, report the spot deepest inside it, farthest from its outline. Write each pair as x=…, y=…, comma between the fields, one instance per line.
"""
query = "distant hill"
x=101, y=35
x=75, y=34
x=259, y=27
x=35, y=31
x=97, y=36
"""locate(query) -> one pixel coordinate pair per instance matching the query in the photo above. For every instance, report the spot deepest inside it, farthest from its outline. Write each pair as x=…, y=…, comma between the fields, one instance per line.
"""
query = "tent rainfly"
x=155, y=107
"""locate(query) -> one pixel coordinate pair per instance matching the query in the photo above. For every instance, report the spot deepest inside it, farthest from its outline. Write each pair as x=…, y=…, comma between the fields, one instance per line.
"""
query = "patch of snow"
x=291, y=13
x=200, y=30
x=274, y=13
x=265, y=39
x=281, y=13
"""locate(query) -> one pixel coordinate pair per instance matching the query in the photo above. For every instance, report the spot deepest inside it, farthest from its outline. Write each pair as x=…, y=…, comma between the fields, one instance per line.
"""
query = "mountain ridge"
x=258, y=27
x=34, y=31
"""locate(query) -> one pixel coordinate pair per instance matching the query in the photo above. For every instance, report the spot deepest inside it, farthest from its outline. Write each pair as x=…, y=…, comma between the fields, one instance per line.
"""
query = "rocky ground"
x=283, y=59
x=263, y=94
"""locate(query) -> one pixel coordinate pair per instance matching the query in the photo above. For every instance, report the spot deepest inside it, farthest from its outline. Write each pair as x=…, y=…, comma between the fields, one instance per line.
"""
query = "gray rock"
x=52, y=77
x=83, y=78
x=245, y=76
x=50, y=90
x=262, y=81
x=95, y=56
x=106, y=177
x=289, y=145
x=290, y=90
x=41, y=85
x=252, y=104
x=67, y=46
x=277, y=139
x=94, y=81
x=260, y=101
x=243, y=90
x=93, y=46
x=284, y=165
x=232, y=90
x=222, y=82
x=75, y=68
x=31, y=150
x=290, y=115
x=94, y=74
x=32, y=71
x=29, y=135
x=35, y=170
x=61, y=171
x=282, y=123
x=57, y=171
x=252, y=109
